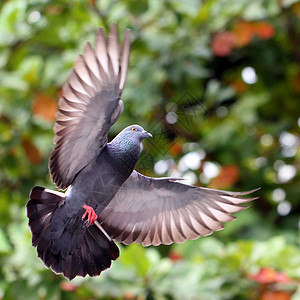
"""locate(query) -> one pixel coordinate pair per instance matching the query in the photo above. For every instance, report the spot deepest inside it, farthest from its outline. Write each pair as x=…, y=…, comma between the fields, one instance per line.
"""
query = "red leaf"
x=45, y=107
x=175, y=256
x=263, y=29
x=222, y=43
x=129, y=295
x=243, y=33
x=227, y=177
x=269, y=275
x=176, y=148
x=275, y=295
x=31, y=151
x=281, y=277
x=239, y=86
x=68, y=286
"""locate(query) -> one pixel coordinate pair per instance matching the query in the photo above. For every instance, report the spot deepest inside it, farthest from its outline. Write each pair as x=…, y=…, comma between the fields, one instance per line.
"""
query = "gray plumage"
x=101, y=181
x=89, y=106
x=154, y=211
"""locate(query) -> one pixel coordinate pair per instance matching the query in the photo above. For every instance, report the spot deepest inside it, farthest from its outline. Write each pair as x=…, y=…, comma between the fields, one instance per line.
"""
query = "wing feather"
x=124, y=58
x=162, y=211
x=101, y=51
x=89, y=105
x=90, y=61
x=113, y=49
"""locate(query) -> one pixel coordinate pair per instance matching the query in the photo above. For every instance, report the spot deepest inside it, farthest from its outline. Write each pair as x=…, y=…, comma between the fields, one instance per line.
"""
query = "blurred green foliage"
x=216, y=82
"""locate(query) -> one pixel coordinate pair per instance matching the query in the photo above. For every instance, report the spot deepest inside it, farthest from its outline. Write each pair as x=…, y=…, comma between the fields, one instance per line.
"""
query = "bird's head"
x=128, y=141
x=135, y=132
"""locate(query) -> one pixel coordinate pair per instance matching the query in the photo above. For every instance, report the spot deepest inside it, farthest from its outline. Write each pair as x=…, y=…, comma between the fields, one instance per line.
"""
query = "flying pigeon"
x=106, y=200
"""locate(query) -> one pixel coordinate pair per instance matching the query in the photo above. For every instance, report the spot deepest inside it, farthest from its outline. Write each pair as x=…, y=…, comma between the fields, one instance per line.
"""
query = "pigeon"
x=101, y=198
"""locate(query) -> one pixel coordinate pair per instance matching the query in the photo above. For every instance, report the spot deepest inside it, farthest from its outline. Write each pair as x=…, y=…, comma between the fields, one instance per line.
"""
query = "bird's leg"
x=91, y=215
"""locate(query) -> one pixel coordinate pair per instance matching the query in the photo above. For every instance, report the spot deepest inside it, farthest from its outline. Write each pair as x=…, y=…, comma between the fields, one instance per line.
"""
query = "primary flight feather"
x=106, y=199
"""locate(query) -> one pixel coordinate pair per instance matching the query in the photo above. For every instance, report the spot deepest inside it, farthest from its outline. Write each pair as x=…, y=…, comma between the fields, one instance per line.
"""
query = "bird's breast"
x=124, y=155
x=97, y=183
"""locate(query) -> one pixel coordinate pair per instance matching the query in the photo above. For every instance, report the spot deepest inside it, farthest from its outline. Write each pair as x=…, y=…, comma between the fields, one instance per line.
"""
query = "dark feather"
x=63, y=243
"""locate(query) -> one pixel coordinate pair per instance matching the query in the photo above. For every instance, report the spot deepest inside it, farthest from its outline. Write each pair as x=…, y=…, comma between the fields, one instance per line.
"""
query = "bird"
x=100, y=199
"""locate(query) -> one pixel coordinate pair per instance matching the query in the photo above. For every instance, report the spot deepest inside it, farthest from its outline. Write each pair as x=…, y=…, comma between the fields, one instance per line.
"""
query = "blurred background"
x=218, y=84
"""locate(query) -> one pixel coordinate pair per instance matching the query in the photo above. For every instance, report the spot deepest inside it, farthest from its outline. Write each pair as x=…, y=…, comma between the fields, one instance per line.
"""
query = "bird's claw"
x=86, y=223
x=91, y=216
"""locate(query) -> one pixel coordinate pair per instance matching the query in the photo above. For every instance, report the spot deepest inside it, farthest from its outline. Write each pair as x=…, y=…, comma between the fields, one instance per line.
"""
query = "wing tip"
x=247, y=192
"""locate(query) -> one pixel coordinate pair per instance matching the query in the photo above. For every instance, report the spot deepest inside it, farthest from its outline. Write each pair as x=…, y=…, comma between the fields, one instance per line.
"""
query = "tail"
x=62, y=242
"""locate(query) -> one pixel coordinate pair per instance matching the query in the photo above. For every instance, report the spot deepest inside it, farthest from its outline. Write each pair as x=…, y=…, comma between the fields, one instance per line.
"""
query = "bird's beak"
x=146, y=134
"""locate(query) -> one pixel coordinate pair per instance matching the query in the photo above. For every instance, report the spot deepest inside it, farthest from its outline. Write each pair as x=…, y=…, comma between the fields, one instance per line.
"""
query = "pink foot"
x=90, y=213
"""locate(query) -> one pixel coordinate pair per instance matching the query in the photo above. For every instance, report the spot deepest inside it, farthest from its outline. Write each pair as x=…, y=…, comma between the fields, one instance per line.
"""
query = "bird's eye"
x=133, y=128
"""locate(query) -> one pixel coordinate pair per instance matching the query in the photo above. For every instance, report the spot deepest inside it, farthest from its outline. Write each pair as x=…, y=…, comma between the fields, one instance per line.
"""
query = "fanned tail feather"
x=63, y=244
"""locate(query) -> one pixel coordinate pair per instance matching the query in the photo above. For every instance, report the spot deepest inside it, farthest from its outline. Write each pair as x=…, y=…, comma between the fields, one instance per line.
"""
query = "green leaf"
x=134, y=256
x=5, y=246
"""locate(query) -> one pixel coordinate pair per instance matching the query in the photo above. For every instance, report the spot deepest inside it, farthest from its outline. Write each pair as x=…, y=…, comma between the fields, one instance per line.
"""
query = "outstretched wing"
x=162, y=211
x=89, y=105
